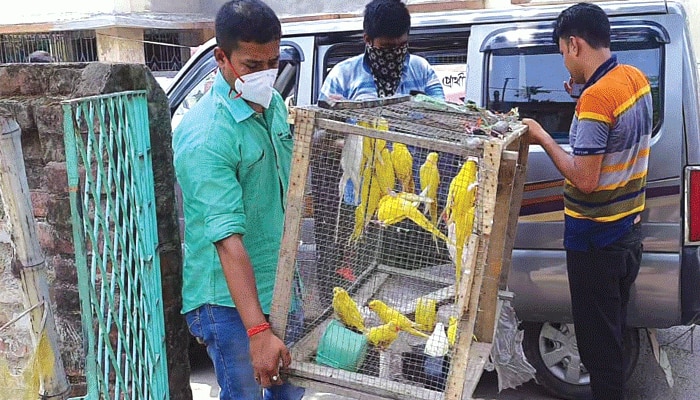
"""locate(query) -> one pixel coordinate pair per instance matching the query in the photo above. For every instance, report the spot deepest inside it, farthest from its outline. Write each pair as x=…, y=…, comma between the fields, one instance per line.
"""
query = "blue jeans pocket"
x=194, y=325
x=222, y=331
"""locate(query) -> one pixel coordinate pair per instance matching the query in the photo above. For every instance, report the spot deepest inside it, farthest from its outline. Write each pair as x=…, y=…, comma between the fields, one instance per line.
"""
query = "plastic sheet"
x=507, y=356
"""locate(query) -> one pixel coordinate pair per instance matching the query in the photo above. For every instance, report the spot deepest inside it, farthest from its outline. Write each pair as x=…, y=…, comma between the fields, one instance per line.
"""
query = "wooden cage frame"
x=500, y=194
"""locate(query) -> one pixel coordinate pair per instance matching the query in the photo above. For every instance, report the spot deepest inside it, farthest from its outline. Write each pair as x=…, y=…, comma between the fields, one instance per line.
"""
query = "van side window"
x=446, y=53
x=532, y=79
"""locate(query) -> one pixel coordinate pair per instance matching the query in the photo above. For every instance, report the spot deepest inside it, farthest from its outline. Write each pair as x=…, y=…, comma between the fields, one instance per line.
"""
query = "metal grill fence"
x=72, y=46
x=110, y=178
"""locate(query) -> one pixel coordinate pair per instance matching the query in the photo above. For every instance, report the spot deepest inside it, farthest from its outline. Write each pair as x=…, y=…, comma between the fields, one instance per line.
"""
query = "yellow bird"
x=459, y=210
x=347, y=311
x=429, y=182
x=388, y=314
x=394, y=209
x=452, y=331
x=403, y=165
x=377, y=178
x=385, y=172
x=384, y=335
x=370, y=195
x=371, y=150
x=426, y=314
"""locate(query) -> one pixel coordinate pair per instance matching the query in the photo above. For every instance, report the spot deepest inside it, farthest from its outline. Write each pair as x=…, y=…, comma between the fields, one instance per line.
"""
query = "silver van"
x=502, y=59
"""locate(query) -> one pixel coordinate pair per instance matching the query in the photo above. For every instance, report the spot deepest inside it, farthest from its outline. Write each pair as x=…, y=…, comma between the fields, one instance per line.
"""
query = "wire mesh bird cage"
x=391, y=206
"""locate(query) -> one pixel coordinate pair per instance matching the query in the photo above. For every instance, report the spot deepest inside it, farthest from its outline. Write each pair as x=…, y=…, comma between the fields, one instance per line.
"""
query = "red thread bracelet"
x=258, y=328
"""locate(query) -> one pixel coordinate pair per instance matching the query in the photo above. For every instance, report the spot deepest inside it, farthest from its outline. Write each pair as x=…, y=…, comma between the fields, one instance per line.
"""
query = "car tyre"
x=562, y=373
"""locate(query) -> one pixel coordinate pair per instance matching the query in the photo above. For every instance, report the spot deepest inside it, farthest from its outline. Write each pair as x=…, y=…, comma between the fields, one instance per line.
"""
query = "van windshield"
x=532, y=79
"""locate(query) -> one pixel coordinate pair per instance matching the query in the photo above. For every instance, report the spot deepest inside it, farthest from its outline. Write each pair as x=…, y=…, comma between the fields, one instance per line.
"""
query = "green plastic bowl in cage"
x=342, y=348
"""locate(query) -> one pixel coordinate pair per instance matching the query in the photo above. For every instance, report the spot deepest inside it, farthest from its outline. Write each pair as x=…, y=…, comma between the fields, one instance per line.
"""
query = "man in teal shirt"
x=232, y=154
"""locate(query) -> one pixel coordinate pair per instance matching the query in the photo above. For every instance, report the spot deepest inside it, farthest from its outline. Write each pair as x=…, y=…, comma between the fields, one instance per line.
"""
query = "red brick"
x=64, y=246
x=47, y=237
x=56, y=178
x=40, y=202
x=48, y=116
x=9, y=84
x=65, y=269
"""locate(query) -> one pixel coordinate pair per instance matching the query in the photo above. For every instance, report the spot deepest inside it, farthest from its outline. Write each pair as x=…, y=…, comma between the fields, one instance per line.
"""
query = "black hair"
x=584, y=20
x=245, y=21
x=40, y=56
x=386, y=18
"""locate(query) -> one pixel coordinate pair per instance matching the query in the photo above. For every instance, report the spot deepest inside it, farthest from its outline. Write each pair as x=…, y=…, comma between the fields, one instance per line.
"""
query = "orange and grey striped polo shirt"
x=614, y=118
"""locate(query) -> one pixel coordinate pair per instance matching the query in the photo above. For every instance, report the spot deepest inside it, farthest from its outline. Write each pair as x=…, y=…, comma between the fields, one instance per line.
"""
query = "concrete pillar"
x=207, y=33
x=120, y=45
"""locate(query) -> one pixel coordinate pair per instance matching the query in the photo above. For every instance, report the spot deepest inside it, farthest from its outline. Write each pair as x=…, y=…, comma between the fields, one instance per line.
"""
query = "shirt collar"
x=238, y=107
x=603, y=69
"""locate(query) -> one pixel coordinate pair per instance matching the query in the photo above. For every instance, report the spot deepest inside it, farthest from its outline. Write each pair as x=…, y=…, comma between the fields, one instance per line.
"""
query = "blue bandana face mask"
x=387, y=67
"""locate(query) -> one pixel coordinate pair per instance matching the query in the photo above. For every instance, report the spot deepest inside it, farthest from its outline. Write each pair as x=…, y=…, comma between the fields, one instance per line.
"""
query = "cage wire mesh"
x=384, y=216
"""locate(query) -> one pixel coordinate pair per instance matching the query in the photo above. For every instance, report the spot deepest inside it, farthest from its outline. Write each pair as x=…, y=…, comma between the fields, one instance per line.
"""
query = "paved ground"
x=647, y=382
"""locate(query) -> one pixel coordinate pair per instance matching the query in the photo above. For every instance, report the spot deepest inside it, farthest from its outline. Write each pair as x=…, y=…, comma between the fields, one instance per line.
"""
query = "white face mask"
x=257, y=87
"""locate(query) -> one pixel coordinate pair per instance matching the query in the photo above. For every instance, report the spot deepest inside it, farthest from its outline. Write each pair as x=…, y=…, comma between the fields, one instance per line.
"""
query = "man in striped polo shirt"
x=604, y=192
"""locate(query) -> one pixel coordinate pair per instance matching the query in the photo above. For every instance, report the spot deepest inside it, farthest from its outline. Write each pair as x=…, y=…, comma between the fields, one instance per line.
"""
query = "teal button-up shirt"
x=233, y=167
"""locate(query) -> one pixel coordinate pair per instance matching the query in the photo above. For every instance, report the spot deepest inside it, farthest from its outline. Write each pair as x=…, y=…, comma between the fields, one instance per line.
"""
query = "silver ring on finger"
x=275, y=378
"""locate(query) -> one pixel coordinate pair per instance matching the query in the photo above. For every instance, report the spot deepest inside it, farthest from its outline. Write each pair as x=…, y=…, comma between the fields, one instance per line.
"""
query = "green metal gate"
x=110, y=178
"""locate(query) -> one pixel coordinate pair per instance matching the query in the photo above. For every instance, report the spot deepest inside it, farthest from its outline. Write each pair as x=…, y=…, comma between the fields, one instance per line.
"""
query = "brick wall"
x=31, y=94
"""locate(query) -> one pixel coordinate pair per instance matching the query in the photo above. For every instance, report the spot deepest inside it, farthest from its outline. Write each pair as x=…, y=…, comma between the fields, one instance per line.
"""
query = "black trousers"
x=600, y=282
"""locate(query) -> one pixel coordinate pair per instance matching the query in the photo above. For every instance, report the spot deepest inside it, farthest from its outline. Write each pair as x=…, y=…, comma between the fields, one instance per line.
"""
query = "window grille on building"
x=161, y=57
x=70, y=46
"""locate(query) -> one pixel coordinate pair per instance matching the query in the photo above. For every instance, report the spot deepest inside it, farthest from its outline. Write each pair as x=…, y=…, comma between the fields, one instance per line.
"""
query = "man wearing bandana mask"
x=232, y=155
x=384, y=69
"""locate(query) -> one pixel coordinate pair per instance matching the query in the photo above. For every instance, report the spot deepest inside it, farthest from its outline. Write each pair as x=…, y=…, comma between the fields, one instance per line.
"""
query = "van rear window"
x=532, y=79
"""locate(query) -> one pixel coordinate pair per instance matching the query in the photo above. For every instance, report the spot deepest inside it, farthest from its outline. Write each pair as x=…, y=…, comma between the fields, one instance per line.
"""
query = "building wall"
x=50, y=11
x=37, y=11
x=31, y=95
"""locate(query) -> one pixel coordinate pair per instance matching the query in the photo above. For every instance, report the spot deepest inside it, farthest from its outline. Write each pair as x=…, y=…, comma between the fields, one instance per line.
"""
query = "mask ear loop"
x=238, y=94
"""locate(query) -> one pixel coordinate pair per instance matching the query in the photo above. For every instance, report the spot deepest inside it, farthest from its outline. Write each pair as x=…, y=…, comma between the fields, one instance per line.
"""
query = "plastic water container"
x=341, y=347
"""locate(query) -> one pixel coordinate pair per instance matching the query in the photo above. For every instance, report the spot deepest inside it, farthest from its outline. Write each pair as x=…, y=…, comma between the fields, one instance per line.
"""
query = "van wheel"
x=551, y=348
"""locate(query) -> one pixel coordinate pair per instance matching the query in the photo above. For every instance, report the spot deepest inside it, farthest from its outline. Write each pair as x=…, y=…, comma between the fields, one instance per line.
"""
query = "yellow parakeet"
x=385, y=172
x=394, y=209
x=371, y=193
x=382, y=336
x=377, y=177
x=388, y=314
x=459, y=210
x=429, y=183
x=403, y=165
x=426, y=313
x=346, y=309
x=452, y=331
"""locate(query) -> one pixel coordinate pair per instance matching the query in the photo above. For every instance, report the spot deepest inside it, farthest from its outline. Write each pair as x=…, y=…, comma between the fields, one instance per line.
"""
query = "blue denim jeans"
x=222, y=331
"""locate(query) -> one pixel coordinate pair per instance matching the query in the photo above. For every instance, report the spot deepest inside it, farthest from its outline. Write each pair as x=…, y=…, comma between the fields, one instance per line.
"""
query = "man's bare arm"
x=582, y=171
x=267, y=351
